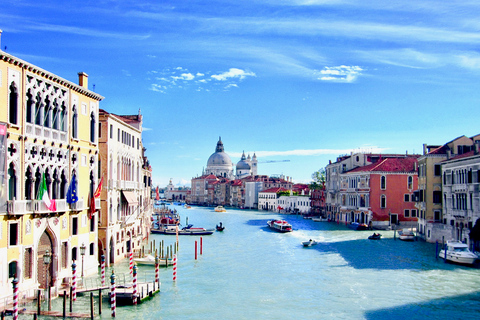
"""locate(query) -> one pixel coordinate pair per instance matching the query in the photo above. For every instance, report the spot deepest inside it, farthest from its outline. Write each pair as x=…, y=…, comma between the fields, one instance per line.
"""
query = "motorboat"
x=280, y=225
x=309, y=243
x=457, y=252
x=406, y=235
x=375, y=236
x=150, y=260
x=358, y=226
x=186, y=206
x=319, y=219
x=220, y=209
x=220, y=227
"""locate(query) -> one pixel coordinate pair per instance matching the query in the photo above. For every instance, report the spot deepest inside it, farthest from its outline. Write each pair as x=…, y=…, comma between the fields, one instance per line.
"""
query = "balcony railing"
x=19, y=207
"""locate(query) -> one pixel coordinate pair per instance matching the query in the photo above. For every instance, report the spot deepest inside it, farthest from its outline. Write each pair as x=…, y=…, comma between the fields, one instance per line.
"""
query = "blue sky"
x=298, y=80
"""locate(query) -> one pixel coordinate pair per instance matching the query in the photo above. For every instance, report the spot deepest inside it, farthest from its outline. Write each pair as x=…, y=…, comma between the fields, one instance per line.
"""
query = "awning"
x=130, y=197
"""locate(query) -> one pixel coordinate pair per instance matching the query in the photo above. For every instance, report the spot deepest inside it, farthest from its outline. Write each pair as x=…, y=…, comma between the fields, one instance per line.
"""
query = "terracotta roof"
x=440, y=150
x=275, y=190
x=406, y=164
x=463, y=155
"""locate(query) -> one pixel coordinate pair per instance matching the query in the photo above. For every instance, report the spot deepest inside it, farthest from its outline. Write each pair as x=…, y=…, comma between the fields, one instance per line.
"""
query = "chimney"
x=424, y=149
x=449, y=153
x=83, y=80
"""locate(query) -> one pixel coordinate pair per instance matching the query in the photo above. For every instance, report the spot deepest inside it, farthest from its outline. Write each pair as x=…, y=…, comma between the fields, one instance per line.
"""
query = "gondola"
x=220, y=227
x=375, y=236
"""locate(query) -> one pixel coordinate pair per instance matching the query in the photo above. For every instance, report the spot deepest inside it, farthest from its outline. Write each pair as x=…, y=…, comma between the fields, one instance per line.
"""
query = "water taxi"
x=457, y=252
x=220, y=209
x=406, y=235
x=309, y=243
x=280, y=225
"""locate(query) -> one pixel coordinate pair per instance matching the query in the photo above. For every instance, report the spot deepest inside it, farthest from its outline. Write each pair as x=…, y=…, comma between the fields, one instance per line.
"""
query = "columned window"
x=13, y=104
x=75, y=123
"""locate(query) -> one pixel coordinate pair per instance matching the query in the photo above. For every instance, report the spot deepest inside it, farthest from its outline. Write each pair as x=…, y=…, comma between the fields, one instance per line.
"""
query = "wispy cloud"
x=346, y=74
x=180, y=77
x=233, y=73
x=311, y=152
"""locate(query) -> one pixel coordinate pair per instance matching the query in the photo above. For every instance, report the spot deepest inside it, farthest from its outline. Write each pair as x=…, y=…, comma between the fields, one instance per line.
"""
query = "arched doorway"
x=112, y=251
x=45, y=244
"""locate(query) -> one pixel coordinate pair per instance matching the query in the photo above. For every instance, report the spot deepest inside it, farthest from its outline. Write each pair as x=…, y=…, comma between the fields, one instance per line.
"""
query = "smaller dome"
x=243, y=165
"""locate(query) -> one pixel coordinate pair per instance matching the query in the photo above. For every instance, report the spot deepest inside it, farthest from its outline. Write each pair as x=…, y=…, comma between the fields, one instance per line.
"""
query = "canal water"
x=250, y=272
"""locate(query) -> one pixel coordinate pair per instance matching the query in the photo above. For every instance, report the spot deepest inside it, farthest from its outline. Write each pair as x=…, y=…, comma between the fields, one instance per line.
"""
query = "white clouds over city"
x=178, y=77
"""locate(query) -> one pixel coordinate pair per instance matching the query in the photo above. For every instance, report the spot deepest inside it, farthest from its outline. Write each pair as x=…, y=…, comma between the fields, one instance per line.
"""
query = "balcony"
x=19, y=207
x=126, y=185
x=77, y=206
x=459, y=188
x=46, y=133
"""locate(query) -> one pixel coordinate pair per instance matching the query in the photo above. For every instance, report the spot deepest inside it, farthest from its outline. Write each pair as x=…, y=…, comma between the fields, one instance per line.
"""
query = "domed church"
x=220, y=164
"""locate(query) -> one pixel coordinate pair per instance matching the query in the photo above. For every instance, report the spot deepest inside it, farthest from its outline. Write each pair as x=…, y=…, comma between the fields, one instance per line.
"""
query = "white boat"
x=280, y=225
x=406, y=235
x=458, y=252
x=220, y=209
x=150, y=260
x=309, y=243
x=319, y=219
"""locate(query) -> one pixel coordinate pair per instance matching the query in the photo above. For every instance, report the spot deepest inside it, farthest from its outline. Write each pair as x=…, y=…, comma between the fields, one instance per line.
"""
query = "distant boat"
x=188, y=230
x=220, y=209
x=186, y=206
x=406, y=235
x=358, y=226
x=375, y=236
x=150, y=260
x=309, y=243
x=280, y=225
x=220, y=227
x=457, y=252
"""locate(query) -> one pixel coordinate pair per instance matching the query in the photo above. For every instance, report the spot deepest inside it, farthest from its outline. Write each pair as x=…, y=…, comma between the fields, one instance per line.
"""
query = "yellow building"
x=51, y=133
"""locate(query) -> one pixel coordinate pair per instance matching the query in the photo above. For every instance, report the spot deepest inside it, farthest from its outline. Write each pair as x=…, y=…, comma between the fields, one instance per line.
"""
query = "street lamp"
x=47, y=258
x=82, y=253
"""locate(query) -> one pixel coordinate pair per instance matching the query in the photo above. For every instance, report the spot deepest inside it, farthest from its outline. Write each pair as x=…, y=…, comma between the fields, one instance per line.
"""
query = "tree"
x=318, y=180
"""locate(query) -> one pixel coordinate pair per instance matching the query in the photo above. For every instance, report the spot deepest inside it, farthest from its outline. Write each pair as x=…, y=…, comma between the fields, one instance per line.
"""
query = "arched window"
x=410, y=183
x=28, y=184
x=75, y=123
x=30, y=104
x=46, y=113
x=92, y=127
x=63, y=185
x=38, y=110
x=12, y=269
x=12, y=182
x=55, y=111
x=383, y=182
x=55, y=185
x=38, y=180
x=383, y=201
x=13, y=104
x=61, y=116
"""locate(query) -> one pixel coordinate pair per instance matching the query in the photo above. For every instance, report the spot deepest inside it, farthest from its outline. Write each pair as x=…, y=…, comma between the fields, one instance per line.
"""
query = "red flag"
x=99, y=189
x=91, y=210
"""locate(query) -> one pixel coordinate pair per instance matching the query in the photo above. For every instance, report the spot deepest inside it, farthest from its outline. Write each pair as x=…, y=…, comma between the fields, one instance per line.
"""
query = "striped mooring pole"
x=74, y=281
x=131, y=261
x=112, y=294
x=174, y=268
x=103, y=270
x=157, y=280
x=15, y=297
x=135, y=268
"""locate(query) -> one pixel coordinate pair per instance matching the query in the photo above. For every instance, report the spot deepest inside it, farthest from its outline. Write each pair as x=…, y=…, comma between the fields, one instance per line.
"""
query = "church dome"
x=219, y=158
x=243, y=164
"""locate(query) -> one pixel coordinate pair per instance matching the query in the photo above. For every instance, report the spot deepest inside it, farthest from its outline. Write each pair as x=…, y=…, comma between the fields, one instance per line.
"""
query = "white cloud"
x=233, y=73
x=340, y=74
x=311, y=152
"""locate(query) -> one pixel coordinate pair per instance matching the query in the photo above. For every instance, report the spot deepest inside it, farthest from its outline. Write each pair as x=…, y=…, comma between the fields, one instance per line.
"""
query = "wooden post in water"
x=39, y=302
x=71, y=299
x=436, y=250
x=99, y=301
x=171, y=251
x=91, y=305
x=201, y=245
x=195, y=249
x=64, y=303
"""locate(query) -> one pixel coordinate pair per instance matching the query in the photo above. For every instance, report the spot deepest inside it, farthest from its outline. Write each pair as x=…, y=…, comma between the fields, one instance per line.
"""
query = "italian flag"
x=43, y=195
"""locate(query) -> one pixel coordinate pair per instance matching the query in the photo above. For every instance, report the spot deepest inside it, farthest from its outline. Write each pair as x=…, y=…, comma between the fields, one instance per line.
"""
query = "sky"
x=298, y=80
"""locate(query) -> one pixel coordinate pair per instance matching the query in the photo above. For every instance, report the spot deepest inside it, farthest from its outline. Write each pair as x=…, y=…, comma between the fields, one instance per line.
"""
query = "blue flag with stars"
x=72, y=191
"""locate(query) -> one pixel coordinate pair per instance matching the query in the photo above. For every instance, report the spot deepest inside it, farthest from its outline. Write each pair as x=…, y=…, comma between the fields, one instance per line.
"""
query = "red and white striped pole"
x=131, y=261
x=15, y=297
x=157, y=280
x=113, y=304
x=174, y=268
x=74, y=281
x=135, y=268
x=103, y=270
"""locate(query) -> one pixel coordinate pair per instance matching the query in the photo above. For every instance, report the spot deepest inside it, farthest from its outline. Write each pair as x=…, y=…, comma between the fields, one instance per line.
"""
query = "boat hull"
x=279, y=226
x=452, y=257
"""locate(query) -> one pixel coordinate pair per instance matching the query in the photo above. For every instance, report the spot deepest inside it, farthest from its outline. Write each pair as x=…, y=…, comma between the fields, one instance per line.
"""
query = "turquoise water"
x=250, y=272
